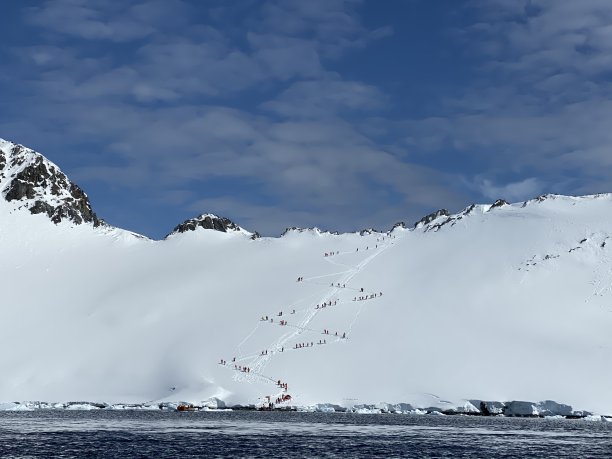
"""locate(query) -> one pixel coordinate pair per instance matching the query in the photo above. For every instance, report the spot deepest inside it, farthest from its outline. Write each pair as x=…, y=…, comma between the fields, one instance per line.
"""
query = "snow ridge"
x=211, y=222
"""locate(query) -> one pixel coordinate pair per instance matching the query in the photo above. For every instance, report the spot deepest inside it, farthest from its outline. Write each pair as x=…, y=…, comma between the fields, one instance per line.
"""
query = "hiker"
x=293, y=312
x=344, y=335
x=361, y=289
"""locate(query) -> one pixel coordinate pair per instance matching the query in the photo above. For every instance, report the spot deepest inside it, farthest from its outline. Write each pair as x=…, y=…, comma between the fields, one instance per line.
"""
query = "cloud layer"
x=268, y=113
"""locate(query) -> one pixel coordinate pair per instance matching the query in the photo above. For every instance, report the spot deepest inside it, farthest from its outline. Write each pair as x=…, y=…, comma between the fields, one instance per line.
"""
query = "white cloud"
x=168, y=113
x=541, y=103
x=89, y=20
x=512, y=192
x=326, y=97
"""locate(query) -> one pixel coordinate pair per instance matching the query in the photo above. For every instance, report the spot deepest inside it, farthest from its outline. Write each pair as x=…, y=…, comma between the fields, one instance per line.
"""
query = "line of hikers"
x=282, y=385
x=326, y=332
x=327, y=303
x=367, y=297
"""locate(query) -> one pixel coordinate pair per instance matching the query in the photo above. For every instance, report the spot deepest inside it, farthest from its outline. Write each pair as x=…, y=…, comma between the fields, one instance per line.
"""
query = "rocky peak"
x=210, y=221
x=499, y=203
x=311, y=230
x=31, y=181
x=431, y=217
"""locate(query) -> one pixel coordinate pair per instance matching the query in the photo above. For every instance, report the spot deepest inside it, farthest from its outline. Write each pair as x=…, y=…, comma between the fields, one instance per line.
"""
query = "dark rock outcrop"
x=35, y=183
x=209, y=221
x=297, y=229
x=431, y=217
x=498, y=203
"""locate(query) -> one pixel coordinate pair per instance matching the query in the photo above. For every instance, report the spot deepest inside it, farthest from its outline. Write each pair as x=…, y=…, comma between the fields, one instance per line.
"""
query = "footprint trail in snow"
x=250, y=367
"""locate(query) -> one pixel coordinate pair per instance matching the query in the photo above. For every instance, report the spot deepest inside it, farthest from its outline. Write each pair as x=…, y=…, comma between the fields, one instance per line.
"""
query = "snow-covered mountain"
x=497, y=302
x=29, y=180
x=210, y=222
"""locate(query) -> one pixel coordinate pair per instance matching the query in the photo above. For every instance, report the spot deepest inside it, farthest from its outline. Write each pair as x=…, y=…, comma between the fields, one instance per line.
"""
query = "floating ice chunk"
x=8, y=406
x=521, y=408
x=593, y=418
x=214, y=403
x=551, y=408
x=403, y=408
x=326, y=408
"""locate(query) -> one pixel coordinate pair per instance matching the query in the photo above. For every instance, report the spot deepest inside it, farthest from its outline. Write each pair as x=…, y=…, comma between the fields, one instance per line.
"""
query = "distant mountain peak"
x=212, y=222
x=309, y=230
x=31, y=181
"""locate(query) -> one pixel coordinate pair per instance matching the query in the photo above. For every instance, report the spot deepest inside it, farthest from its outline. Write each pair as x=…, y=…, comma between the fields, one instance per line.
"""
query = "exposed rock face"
x=31, y=181
x=207, y=222
x=210, y=221
x=499, y=203
x=313, y=230
x=431, y=217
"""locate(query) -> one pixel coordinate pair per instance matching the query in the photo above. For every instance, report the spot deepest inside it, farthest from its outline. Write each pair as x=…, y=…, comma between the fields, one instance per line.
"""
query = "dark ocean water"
x=67, y=434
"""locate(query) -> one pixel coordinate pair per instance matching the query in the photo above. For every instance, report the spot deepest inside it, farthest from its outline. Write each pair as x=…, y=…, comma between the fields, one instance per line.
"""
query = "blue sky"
x=340, y=114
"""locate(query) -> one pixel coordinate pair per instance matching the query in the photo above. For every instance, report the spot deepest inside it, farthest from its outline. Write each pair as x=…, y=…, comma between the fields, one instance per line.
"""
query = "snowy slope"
x=511, y=302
